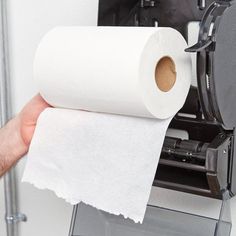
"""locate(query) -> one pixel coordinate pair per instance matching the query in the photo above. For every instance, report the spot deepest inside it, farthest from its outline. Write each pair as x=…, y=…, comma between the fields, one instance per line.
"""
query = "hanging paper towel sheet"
x=99, y=145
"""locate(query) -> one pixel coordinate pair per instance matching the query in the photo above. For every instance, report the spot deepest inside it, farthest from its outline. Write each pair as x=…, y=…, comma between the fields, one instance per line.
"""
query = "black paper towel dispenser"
x=204, y=164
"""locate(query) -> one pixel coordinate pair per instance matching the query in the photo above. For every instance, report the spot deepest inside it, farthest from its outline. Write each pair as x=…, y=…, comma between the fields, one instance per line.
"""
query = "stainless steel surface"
x=11, y=207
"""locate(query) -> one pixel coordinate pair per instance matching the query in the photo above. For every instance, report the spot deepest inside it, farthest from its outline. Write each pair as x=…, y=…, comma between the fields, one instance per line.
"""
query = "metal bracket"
x=200, y=45
x=19, y=217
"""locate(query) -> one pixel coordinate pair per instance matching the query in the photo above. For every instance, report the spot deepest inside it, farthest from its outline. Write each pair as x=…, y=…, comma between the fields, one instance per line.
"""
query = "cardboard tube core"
x=165, y=74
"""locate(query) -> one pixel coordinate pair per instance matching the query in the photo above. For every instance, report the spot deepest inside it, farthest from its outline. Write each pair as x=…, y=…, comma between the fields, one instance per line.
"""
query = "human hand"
x=16, y=135
x=28, y=117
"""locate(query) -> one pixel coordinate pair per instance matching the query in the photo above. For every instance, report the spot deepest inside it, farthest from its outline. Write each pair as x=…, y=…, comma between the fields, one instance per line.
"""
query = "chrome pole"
x=12, y=216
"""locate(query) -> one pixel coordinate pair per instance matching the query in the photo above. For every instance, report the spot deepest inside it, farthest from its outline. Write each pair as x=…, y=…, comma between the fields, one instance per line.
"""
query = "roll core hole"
x=165, y=74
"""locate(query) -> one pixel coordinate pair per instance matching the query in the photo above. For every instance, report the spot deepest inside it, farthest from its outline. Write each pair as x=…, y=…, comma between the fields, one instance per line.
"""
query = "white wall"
x=28, y=21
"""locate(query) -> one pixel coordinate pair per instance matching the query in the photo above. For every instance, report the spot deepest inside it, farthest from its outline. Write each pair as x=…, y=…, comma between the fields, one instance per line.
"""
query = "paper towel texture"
x=106, y=161
x=112, y=70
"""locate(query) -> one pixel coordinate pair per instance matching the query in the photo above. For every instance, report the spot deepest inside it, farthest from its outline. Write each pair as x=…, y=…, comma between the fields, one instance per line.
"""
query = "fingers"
x=33, y=109
x=29, y=115
x=39, y=102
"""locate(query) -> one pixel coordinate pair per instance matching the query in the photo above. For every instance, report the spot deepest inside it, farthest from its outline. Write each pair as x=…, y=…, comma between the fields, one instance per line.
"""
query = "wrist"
x=12, y=146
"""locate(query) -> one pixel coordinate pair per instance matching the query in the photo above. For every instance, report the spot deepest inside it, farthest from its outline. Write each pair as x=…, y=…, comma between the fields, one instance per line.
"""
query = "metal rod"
x=201, y=4
x=182, y=165
x=4, y=80
x=12, y=216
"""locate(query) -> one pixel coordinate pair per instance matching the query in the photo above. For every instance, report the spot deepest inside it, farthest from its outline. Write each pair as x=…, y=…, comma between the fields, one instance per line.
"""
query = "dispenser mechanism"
x=204, y=164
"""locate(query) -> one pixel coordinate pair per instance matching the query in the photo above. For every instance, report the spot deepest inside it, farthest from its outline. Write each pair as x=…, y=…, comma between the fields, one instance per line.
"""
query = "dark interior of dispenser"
x=181, y=176
x=174, y=171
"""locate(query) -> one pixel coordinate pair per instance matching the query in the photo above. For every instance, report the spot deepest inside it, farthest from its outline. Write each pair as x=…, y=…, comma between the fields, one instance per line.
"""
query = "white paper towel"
x=105, y=160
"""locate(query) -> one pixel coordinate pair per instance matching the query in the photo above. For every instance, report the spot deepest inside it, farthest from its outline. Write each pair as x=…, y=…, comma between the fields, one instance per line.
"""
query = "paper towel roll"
x=123, y=70
x=106, y=160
